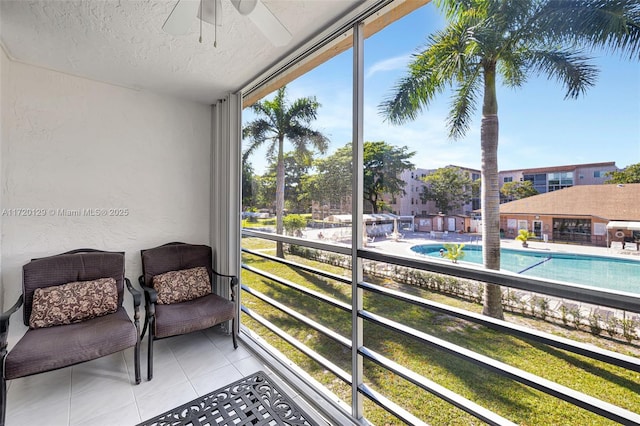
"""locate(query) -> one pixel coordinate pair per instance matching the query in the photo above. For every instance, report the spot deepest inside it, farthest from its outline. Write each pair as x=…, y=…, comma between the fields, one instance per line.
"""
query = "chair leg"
x=136, y=361
x=136, y=351
x=3, y=400
x=150, y=353
x=233, y=333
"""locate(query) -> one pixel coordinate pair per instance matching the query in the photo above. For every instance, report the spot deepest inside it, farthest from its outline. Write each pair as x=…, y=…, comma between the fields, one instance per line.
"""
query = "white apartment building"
x=411, y=204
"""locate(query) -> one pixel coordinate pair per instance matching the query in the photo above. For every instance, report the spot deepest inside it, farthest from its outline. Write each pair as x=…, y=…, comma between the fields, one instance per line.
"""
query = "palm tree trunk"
x=490, y=194
x=280, y=196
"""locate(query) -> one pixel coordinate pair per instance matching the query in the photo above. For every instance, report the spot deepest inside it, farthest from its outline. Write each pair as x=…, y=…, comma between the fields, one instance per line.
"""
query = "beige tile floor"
x=102, y=392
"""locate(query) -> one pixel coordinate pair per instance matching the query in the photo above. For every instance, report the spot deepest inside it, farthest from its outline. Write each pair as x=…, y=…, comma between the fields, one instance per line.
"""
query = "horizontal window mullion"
x=440, y=391
x=325, y=363
x=590, y=351
x=390, y=406
x=613, y=299
x=300, y=317
x=316, y=271
x=316, y=295
x=574, y=397
x=311, y=293
x=298, y=241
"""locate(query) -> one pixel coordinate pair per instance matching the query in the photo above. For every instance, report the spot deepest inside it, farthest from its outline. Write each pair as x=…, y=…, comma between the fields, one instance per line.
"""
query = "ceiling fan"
x=181, y=18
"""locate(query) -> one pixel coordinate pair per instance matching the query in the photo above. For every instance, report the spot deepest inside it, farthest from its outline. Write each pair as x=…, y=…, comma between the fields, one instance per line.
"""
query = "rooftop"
x=564, y=168
x=612, y=202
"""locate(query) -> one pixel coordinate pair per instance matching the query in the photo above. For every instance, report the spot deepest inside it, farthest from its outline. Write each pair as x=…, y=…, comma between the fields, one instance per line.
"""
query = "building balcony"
x=288, y=329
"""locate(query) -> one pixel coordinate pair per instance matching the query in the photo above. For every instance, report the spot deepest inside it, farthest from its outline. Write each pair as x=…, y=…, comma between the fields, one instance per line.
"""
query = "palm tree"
x=490, y=39
x=279, y=121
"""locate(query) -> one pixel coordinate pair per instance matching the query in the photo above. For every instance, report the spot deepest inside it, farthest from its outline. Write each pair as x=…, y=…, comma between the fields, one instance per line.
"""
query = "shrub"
x=577, y=317
x=594, y=323
x=293, y=223
x=541, y=304
x=454, y=252
x=629, y=328
x=611, y=325
x=563, y=312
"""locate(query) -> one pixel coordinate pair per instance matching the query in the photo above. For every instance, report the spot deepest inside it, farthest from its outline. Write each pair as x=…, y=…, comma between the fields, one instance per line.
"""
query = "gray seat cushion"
x=192, y=315
x=46, y=349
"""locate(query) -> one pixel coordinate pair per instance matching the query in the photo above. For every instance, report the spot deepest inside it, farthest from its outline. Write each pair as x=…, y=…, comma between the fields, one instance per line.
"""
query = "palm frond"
x=444, y=60
x=613, y=25
x=570, y=68
x=405, y=102
x=304, y=110
x=464, y=105
x=258, y=132
x=301, y=136
x=512, y=67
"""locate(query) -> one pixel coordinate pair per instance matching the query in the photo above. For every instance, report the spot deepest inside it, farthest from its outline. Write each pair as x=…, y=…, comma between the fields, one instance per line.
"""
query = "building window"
x=566, y=229
x=599, y=174
x=560, y=180
x=538, y=180
x=507, y=179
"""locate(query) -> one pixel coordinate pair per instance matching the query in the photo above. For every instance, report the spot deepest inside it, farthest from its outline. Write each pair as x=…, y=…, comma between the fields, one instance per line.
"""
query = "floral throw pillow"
x=73, y=302
x=183, y=285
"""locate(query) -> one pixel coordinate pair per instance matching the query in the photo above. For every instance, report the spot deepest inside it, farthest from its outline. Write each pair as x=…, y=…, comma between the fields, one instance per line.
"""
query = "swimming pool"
x=598, y=271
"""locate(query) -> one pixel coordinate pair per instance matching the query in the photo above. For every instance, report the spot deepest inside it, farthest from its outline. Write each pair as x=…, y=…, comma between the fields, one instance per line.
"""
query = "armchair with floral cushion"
x=178, y=282
x=73, y=306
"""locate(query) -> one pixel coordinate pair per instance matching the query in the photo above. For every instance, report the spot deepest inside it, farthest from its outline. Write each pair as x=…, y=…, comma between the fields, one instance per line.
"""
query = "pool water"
x=598, y=271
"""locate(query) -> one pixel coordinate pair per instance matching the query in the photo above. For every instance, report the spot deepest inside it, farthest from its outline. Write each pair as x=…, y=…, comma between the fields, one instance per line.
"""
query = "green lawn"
x=516, y=402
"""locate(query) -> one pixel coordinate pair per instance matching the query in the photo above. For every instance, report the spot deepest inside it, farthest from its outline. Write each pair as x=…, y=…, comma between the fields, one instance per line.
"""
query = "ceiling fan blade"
x=266, y=21
x=211, y=12
x=181, y=17
x=245, y=7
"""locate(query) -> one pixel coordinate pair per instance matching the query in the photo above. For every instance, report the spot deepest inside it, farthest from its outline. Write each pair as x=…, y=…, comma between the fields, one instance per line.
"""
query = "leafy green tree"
x=486, y=40
x=266, y=194
x=293, y=223
x=630, y=174
x=449, y=187
x=331, y=184
x=517, y=190
x=295, y=170
x=278, y=120
x=248, y=186
x=383, y=164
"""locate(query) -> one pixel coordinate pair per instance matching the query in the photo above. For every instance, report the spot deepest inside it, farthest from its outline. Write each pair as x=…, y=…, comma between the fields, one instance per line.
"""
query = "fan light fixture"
x=181, y=18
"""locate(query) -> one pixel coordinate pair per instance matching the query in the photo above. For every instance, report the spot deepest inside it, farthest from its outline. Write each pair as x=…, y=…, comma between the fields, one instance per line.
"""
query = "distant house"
x=576, y=214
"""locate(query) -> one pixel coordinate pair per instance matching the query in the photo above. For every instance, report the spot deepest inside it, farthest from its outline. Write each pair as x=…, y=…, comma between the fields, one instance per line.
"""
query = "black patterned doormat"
x=253, y=400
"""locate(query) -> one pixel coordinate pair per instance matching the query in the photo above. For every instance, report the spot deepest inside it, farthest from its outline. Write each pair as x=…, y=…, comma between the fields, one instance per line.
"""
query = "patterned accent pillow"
x=183, y=285
x=73, y=302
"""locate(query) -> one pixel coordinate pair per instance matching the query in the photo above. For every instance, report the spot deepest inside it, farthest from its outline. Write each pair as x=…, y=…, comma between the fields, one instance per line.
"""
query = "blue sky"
x=538, y=127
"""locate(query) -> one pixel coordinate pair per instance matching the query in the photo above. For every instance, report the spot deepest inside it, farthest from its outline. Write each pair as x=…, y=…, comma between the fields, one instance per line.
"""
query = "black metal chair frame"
x=4, y=332
x=151, y=298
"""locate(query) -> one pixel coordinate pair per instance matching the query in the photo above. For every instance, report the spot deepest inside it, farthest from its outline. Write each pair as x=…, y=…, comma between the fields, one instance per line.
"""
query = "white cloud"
x=391, y=64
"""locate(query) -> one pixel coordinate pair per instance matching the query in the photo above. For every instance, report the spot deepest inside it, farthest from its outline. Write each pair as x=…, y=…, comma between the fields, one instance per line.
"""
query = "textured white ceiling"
x=122, y=42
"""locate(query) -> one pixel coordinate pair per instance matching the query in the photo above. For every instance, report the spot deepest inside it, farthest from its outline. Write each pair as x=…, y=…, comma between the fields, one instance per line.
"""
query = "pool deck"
x=403, y=246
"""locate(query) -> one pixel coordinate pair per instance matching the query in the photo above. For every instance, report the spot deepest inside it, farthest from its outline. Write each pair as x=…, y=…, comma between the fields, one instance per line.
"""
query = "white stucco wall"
x=71, y=144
